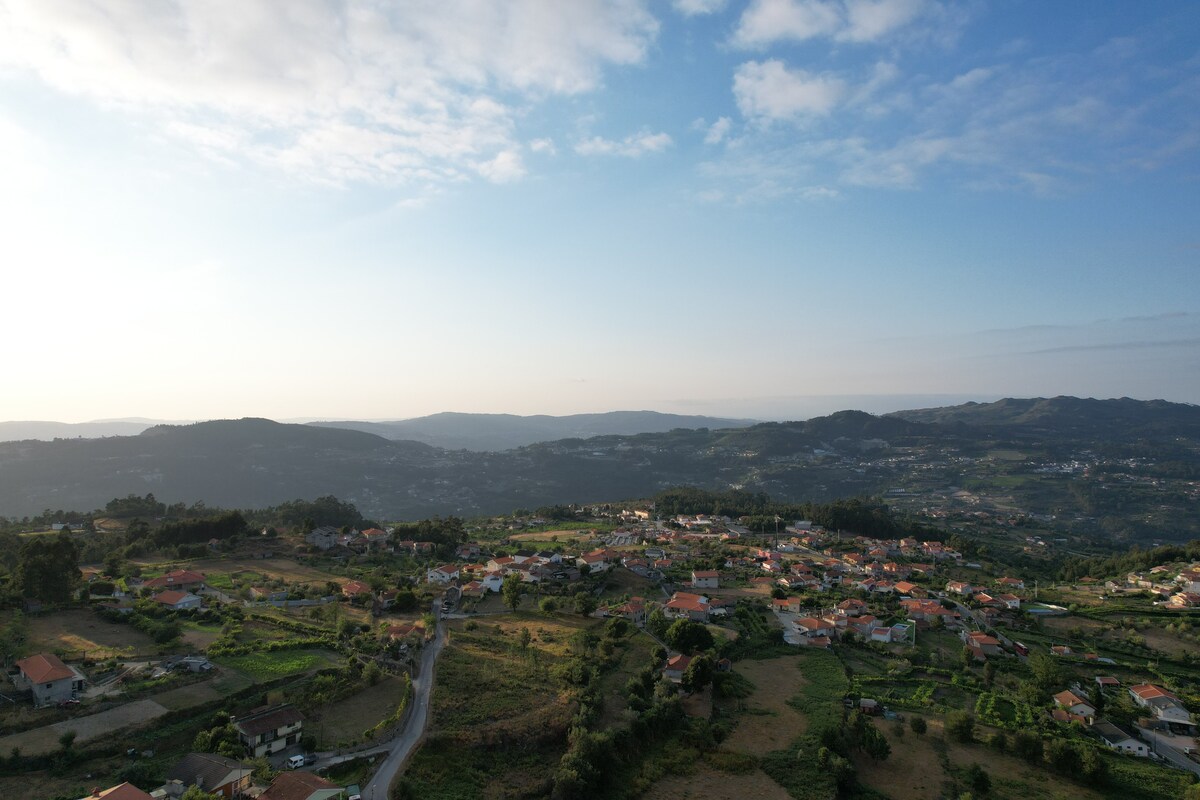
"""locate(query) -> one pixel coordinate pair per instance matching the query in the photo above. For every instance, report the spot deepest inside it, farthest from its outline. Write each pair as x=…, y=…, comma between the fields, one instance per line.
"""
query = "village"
x=266, y=649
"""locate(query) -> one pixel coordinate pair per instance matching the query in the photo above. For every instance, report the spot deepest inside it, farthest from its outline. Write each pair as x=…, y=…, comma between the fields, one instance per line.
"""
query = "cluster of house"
x=1163, y=710
x=263, y=732
x=819, y=628
x=175, y=590
x=475, y=579
x=1175, y=588
x=327, y=538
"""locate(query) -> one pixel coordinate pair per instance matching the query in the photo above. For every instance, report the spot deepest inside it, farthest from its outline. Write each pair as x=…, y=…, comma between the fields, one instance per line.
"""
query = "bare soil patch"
x=768, y=722
x=707, y=783
x=81, y=631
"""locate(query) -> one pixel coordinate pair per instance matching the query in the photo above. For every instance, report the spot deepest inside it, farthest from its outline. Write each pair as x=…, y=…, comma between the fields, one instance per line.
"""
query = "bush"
x=918, y=725
x=960, y=726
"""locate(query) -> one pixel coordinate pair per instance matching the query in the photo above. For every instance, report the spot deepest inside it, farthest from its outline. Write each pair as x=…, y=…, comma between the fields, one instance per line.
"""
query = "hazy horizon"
x=800, y=409
x=384, y=210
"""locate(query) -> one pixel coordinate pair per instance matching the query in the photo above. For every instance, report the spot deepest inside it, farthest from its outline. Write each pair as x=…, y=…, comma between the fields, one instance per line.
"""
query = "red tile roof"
x=44, y=668
x=295, y=786
x=180, y=577
x=123, y=791
x=169, y=598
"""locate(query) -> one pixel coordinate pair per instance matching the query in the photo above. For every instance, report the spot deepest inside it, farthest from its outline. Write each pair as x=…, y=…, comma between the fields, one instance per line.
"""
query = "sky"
x=378, y=210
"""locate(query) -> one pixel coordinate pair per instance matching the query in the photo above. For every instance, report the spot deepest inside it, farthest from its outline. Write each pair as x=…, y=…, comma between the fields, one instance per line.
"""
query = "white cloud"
x=768, y=91
x=334, y=90
x=638, y=144
x=543, y=146
x=718, y=131
x=767, y=21
x=871, y=20
x=693, y=8
x=504, y=168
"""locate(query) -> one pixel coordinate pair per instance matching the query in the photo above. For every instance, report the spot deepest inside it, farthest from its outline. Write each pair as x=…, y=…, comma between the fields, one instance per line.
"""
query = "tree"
x=196, y=793
x=67, y=739
x=510, y=590
x=689, y=637
x=978, y=779
x=372, y=674
x=585, y=603
x=960, y=725
x=47, y=568
x=657, y=623
x=548, y=605
x=918, y=725
x=699, y=673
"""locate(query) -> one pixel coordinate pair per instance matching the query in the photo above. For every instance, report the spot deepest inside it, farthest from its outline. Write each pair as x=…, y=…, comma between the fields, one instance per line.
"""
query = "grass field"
x=81, y=630
x=499, y=714
x=767, y=721
x=263, y=667
x=199, y=636
x=346, y=720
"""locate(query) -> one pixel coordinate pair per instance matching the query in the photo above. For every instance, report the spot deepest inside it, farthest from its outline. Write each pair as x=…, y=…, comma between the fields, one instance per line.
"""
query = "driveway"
x=1170, y=748
x=414, y=730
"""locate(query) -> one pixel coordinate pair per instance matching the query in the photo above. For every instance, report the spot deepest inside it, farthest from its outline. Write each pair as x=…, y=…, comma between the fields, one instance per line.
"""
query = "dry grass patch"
x=1013, y=779
x=710, y=784
x=347, y=719
x=551, y=536
x=768, y=722
x=40, y=785
x=911, y=772
x=81, y=630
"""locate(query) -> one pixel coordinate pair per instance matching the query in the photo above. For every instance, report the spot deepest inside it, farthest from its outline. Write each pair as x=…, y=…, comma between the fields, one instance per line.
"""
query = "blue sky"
x=769, y=208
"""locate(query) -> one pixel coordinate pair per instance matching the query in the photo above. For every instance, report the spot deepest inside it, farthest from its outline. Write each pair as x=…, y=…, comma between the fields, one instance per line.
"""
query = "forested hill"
x=455, y=431
x=1070, y=417
x=1112, y=467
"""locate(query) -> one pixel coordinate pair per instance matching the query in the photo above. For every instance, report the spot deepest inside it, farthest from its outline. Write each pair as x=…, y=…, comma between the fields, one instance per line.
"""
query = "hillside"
x=483, y=432
x=1114, y=468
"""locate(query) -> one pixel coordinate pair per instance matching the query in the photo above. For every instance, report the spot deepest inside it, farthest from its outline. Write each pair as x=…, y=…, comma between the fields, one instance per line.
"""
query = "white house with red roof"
x=1164, y=705
x=676, y=666
x=685, y=605
x=705, y=579
x=1075, y=705
x=443, y=574
x=177, y=601
x=49, y=679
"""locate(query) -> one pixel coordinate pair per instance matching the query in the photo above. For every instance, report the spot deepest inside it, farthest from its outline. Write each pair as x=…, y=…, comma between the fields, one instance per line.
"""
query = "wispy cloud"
x=769, y=21
x=638, y=144
x=1076, y=348
x=331, y=91
x=694, y=8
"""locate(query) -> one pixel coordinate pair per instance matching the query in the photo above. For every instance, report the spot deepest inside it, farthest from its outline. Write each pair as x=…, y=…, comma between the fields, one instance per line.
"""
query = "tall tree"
x=48, y=568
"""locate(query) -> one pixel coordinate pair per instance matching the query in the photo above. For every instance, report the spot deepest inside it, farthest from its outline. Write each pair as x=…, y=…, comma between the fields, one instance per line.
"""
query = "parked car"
x=295, y=762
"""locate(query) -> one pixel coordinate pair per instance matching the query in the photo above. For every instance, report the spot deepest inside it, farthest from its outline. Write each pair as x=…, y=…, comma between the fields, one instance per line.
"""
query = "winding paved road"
x=414, y=730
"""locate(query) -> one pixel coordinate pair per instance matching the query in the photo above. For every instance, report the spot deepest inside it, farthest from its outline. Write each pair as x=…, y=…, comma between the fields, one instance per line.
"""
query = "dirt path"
x=94, y=726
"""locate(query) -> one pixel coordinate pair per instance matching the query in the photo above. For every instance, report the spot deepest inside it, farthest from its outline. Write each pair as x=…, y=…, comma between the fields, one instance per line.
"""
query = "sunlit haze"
x=381, y=210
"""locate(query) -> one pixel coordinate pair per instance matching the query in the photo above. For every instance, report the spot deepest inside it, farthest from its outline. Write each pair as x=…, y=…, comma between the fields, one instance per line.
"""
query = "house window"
x=49, y=685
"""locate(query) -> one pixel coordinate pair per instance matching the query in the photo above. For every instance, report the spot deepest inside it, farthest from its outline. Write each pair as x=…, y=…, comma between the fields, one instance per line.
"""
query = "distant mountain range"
x=1017, y=454
x=452, y=431
x=483, y=432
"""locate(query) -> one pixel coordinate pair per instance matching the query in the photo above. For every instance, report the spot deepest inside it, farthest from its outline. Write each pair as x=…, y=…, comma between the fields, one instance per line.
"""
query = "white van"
x=295, y=762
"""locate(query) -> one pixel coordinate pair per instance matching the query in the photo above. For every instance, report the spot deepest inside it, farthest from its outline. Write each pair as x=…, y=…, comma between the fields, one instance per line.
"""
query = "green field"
x=263, y=667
